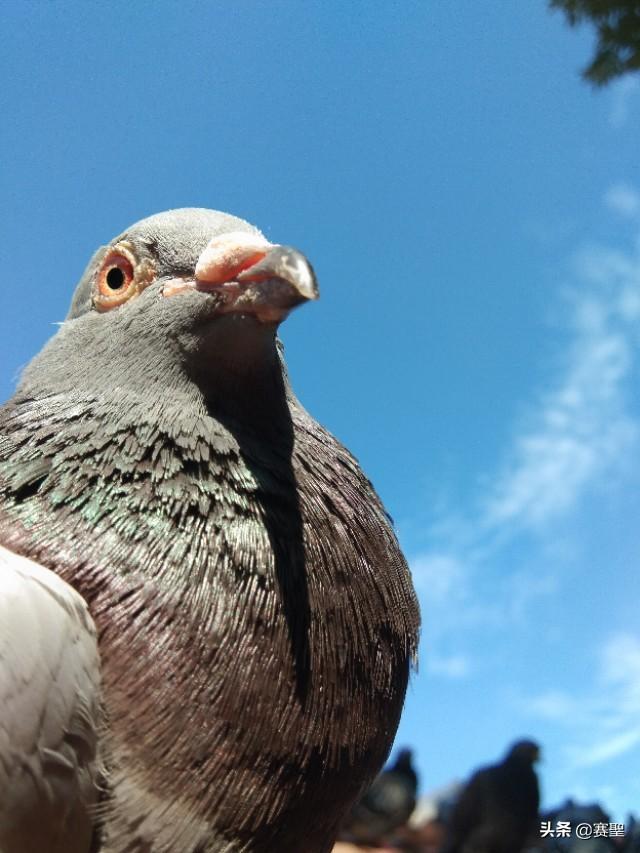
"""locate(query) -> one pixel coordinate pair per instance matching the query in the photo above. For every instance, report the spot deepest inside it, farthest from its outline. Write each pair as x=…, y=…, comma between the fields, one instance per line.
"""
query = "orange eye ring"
x=121, y=277
x=116, y=276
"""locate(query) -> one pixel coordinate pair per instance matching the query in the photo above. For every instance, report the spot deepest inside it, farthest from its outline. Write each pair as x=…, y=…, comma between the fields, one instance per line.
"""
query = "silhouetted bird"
x=167, y=505
x=387, y=804
x=498, y=808
x=573, y=814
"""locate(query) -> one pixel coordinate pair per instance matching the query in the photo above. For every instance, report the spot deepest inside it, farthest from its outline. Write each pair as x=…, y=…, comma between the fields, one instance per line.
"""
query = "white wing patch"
x=49, y=711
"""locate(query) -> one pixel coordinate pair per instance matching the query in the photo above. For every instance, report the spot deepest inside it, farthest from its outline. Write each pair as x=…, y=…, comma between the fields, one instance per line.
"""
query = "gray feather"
x=50, y=701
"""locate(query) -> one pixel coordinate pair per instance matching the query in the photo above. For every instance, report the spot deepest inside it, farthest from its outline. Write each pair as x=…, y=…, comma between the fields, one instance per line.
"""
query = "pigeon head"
x=404, y=759
x=222, y=263
x=524, y=751
x=188, y=293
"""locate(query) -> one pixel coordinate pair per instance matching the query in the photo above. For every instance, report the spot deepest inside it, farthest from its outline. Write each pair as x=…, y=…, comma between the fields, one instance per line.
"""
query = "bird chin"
x=267, y=301
x=222, y=350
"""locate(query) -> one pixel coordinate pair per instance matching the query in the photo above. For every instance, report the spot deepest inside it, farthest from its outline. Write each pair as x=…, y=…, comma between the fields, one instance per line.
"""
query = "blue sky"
x=472, y=210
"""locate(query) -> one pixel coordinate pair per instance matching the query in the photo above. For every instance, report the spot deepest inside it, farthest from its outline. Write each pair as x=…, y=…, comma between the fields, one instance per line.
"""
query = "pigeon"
x=498, y=808
x=386, y=805
x=207, y=622
x=573, y=814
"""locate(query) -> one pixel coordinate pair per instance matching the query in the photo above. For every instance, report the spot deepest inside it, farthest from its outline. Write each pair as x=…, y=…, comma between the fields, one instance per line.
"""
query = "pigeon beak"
x=285, y=264
x=255, y=277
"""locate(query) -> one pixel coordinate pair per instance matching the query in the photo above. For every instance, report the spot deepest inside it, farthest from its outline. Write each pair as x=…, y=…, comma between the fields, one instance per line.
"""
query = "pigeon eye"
x=116, y=280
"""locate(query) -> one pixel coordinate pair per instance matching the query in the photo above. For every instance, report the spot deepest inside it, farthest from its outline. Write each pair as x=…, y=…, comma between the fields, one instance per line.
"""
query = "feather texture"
x=255, y=615
x=50, y=718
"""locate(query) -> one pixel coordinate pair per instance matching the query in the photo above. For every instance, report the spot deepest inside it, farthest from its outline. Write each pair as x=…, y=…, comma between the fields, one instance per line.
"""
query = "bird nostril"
x=249, y=262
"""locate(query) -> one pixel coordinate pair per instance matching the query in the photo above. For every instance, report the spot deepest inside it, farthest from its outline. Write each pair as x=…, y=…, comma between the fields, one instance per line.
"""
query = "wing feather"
x=49, y=711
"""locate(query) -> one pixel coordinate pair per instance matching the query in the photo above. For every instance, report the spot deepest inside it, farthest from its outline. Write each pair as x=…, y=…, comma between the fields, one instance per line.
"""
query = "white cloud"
x=577, y=432
x=613, y=273
x=578, y=435
x=443, y=585
x=581, y=428
x=604, y=719
x=453, y=667
x=442, y=578
x=620, y=657
x=623, y=199
x=606, y=749
x=553, y=705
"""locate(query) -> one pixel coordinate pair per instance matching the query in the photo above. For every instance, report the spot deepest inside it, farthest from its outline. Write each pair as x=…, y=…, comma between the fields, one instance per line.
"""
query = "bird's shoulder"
x=50, y=700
